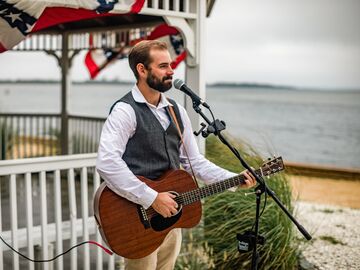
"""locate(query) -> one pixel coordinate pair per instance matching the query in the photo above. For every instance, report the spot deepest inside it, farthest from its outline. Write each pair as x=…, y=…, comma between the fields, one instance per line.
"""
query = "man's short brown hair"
x=140, y=53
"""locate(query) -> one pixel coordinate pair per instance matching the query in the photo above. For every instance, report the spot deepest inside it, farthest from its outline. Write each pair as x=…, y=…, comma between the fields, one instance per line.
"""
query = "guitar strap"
x=173, y=116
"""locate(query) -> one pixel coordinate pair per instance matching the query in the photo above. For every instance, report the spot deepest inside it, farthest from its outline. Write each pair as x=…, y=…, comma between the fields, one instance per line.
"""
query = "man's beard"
x=157, y=84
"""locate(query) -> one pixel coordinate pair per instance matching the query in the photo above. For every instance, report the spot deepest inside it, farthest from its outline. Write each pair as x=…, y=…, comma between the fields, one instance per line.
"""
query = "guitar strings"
x=193, y=195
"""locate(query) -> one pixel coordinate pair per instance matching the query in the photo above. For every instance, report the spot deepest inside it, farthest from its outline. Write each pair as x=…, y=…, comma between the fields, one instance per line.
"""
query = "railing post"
x=14, y=221
x=58, y=218
x=29, y=219
x=85, y=216
x=44, y=221
x=72, y=209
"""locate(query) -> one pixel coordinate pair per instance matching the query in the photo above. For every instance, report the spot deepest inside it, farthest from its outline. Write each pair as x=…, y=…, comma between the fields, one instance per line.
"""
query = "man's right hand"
x=165, y=205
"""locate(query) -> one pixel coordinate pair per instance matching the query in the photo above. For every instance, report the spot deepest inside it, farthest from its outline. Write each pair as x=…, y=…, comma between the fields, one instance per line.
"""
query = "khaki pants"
x=163, y=258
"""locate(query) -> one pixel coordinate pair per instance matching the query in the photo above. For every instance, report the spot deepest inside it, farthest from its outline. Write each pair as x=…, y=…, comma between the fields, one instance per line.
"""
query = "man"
x=140, y=138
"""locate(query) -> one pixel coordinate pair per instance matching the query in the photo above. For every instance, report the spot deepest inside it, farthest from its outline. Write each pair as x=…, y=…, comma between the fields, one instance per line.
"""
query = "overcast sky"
x=301, y=43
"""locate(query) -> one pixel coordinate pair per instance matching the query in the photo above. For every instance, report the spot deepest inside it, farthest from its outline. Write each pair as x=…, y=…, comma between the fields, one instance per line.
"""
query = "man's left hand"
x=250, y=180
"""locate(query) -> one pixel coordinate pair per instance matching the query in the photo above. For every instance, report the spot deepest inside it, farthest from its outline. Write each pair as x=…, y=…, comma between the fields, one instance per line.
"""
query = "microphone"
x=179, y=84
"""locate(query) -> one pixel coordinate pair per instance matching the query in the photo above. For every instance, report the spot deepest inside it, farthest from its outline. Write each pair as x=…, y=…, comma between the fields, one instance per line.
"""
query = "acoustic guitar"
x=133, y=232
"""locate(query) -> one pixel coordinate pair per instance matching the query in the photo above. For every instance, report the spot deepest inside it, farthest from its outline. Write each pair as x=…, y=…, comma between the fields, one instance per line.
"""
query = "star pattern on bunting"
x=13, y=17
x=16, y=18
x=106, y=5
x=178, y=43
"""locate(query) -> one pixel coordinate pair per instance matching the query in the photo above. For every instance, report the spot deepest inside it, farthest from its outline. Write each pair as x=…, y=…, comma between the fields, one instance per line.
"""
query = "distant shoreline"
x=217, y=84
x=252, y=85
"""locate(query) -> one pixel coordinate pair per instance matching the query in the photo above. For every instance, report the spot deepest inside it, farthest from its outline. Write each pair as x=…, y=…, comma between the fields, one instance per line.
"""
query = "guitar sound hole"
x=159, y=223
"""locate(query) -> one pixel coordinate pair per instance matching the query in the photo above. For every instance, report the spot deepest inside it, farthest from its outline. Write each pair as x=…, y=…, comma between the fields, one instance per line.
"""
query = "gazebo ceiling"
x=104, y=22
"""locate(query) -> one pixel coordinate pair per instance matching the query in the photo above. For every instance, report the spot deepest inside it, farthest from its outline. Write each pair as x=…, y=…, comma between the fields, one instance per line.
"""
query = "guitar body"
x=134, y=232
x=122, y=223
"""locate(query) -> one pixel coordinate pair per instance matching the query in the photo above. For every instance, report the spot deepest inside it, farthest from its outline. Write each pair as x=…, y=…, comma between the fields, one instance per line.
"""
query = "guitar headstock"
x=272, y=166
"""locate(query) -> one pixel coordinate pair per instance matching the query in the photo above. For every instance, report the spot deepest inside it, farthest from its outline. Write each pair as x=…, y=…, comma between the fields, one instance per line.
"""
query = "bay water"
x=307, y=126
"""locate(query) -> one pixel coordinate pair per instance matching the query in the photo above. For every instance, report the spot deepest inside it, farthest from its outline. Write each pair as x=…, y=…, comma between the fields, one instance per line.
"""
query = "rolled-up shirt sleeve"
x=117, y=130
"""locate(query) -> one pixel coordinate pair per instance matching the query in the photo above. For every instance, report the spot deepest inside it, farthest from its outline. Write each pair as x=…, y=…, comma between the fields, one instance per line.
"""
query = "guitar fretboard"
x=212, y=189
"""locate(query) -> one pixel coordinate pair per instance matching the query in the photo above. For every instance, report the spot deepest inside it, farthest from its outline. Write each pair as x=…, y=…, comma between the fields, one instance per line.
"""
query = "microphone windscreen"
x=178, y=83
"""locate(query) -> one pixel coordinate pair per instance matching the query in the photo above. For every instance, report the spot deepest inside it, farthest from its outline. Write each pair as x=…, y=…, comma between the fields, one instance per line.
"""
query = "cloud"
x=264, y=21
x=300, y=43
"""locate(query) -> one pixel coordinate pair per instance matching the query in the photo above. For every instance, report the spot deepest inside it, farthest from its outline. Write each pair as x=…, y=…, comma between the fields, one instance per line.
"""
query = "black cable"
x=262, y=211
x=57, y=256
x=212, y=115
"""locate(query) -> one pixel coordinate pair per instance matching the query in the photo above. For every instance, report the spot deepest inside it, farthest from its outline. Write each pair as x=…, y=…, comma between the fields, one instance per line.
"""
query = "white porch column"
x=195, y=68
x=193, y=32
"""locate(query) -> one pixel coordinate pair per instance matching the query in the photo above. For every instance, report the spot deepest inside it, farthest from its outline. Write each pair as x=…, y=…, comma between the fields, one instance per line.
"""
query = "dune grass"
x=214, y=244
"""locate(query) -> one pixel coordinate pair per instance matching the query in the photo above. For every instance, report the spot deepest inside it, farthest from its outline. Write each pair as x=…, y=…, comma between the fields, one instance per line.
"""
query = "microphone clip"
x=215, y=127
x=203, y=126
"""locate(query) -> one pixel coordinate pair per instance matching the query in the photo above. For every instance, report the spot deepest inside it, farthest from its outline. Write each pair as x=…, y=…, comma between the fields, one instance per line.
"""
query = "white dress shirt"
x=120, y=126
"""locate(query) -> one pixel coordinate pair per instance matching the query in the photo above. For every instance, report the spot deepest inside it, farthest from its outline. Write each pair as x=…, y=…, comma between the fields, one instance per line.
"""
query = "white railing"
x=42, y=205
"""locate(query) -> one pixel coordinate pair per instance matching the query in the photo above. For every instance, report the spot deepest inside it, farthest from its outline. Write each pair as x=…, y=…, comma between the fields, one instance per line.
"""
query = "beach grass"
x=230, y=213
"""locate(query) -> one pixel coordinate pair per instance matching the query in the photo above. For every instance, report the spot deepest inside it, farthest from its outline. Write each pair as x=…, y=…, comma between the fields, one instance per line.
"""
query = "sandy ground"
x=337, y=192
x=330, y=211
x=335, y=235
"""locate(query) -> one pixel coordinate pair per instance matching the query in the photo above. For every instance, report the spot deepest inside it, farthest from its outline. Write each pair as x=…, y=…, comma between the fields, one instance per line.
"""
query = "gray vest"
x=151, y=151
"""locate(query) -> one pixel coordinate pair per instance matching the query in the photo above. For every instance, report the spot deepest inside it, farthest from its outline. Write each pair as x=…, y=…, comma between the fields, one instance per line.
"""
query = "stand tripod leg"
x=255, y=254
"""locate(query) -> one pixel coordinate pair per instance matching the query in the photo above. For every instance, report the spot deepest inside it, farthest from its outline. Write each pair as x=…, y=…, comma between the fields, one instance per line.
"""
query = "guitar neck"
x=212, y=189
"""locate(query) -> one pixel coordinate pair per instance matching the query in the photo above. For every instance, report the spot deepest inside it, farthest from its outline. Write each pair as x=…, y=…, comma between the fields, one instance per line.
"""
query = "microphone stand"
x=216, y=127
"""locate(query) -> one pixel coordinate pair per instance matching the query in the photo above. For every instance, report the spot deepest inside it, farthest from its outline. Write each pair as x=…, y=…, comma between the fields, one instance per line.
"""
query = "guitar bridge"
x=144, y=217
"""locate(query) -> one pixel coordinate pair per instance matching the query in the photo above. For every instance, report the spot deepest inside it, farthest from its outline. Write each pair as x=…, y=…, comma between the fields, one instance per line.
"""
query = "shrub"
x=230, y=213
